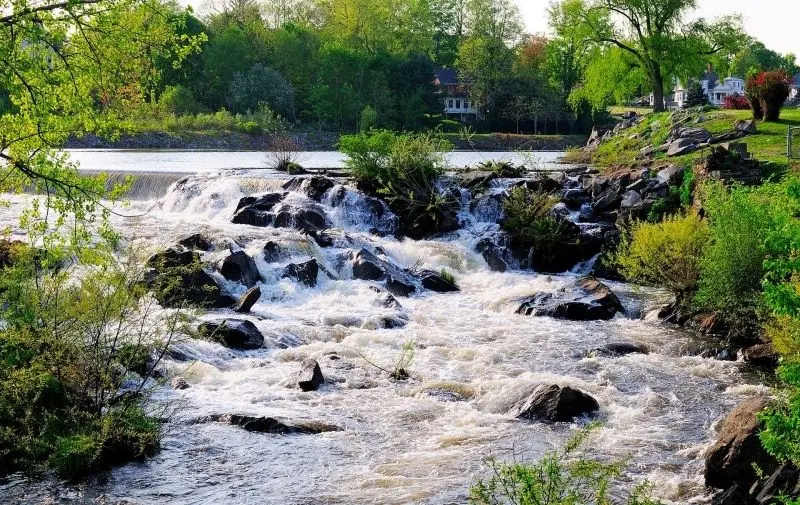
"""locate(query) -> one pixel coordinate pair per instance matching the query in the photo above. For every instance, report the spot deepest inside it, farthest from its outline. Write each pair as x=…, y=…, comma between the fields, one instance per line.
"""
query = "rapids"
x=400, y=442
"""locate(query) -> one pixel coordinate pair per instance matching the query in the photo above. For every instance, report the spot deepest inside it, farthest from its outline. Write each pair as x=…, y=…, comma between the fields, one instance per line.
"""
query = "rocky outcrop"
x=760, y=355
x=239, y=267
x=493, y=254
x=234, y=333
x=313, y=187
x=274, y=252
x=730, y=460
x=255, y=210
x=552, y=403
x=270, y=210
x=177, y=278
x=272, y=425
x=310, y=377
x=305, y=273
x=197, y=241
x=367, y=266
x=729, y=163
x=247, y=300
x=617, y=349
x=585, y=299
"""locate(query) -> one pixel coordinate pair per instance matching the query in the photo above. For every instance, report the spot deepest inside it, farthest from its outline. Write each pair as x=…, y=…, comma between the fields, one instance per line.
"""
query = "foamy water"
x=399, y=444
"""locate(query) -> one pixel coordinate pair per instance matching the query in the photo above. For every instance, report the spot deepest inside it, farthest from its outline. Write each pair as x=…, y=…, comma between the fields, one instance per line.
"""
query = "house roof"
x=447, y=76
x=710, y=76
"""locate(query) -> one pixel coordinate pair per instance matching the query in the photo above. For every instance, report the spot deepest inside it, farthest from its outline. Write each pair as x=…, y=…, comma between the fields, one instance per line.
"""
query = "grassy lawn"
x=769, y=144
x=618, y=110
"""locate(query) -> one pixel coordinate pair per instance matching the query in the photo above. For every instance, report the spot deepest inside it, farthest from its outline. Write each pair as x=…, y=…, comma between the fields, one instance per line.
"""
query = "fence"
x=793, y=142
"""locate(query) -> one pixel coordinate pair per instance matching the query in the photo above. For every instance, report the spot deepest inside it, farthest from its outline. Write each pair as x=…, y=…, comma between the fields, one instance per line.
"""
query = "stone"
x=234, y=333
x=400, y=287
x=672, y=174
x=785, y=481
x=477, y=180
x=273, y=425
x=734, y=495
x=239, y=267
x=313, y=187
x=308, y=219
x=585, y=299
x=681, y=146
x=552, y=403
x=746, y=126
x=179, y=383
x=435, y=282
x=631, y=199
x=367, y=266
x=255, y=210
x=574, y=198
x=305, y=272
x=172, y=257
x=492, y=254
x=247, y=300
x=177, y=278
x=310, y=377
x=760, y=355
x=617, y=349
x=274, y=252
x=197, y=241
x=730, y=459
x=606, y=200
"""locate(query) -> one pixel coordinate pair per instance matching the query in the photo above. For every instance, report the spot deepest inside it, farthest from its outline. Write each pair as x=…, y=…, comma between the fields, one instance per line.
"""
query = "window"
x=458, y=104
x=450, y=104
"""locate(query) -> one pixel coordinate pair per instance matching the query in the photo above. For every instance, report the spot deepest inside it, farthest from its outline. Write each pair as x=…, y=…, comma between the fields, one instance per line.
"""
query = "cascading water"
x=399, y=442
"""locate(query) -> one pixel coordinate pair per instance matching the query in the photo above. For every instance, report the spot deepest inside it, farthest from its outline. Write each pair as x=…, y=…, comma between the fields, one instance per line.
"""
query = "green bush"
x=557, y=478
x=502, y=168
x=732, y=267
x=368, y=120
x=665, y=254
x=178, y=100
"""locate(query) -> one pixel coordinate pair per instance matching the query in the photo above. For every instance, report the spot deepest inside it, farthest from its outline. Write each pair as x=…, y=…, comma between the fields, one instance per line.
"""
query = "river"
x=400, y=443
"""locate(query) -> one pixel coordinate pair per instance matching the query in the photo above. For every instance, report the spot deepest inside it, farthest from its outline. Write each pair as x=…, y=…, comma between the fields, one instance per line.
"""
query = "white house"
x=715, y=90
x=794, y=90
x=455, y=95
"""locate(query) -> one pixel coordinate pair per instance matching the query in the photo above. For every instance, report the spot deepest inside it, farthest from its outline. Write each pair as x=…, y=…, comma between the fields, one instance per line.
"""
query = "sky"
x=775, y=22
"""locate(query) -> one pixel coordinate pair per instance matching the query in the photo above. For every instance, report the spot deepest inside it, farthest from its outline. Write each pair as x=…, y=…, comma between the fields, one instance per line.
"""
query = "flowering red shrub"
x=735, y=101
x=770, y=90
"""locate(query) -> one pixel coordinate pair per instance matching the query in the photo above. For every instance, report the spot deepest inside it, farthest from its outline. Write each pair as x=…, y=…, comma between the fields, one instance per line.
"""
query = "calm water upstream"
x=399, y=443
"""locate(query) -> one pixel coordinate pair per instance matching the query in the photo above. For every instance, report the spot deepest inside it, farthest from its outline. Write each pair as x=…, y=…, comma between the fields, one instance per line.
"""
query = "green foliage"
x=263, y=120
x=448, y=277
x=260, y=86
x=665, y=254
x=178, y=100
x=369, y=119
x=558, y=478
x=695, y=95
x=502, y=168
x=687, y=188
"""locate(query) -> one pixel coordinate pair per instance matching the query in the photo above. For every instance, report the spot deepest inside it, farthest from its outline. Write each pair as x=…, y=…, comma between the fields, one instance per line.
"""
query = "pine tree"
x=696, y=95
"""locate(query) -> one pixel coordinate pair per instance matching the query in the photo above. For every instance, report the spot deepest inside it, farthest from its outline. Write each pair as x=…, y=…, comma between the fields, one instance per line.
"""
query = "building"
x=715, y=90
x=794, y=89
x=455, y=95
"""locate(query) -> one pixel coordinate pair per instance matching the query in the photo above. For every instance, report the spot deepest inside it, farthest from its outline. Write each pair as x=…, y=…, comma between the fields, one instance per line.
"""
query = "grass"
x=769, y=144
x=618, y=110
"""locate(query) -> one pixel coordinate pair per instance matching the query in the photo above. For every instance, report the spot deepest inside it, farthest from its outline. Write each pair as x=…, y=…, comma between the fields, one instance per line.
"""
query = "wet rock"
x=734, y=495
x=305, y=272
x=631, y=199
x=367, y=266
x=400, y=287
x=541, y=182
x=386, y=299
x=247, y=300
x=435, y=282
x=730, y=460
x=239, y=267
x=172, y=257
x=179, y=383
x=233, y=333
x=177, y=278
x=477, y=180
x=760, y=355
x=274, y=425
x=585, y=299
x=672, y=174
x=785, y=481
x=197, y=241
x=310, y=377
x=323, y=238
x=575, y=198
x=746, y=126
x=274, y=252
x=314, y=187
x=608, y=199
x=492, y=254
x=444, y=395
x=618, y=349
x=255, y=210
x=552, y=403
x=308, y=219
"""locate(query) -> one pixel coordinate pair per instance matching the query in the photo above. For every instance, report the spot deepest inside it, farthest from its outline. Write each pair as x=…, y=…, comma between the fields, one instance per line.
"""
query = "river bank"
x=311, y=141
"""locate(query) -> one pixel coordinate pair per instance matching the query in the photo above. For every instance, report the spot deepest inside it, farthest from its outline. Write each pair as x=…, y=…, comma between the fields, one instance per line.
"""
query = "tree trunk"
x=658, y=88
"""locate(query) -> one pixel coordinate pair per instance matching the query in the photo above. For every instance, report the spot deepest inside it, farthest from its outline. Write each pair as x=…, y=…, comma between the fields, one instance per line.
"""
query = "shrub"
x=770, y=89
x=735, y=102
x=557, y=478
x=261, y=85
x=178, y=100
x=732, y=267
x=665, y=254
x=447, y=277
x=502, y=168
x=368, y=120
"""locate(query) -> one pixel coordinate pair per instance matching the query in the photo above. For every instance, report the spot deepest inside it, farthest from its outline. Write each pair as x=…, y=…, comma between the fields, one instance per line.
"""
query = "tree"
x=696, y=95
x=756, y=56
x=653, y=32
x=261, y=84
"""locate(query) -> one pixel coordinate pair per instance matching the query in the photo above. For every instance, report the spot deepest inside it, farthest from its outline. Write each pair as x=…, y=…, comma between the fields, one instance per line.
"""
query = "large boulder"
x=314, y=187
x=785, y=481
x=234, y=333
x=585, y=299
x=305, y=272
x=255, y=210
x=177, y=278
x=477, y=180
x=274, y=252
x=172, y=257
x=436, y=282
x=617, y=349
x=672, y=174
x=270, y=210
x=730, y=460
x=552, y=403
x=309, y=218
x=273, y=425
x=310, y=377
x=239, y=267
x=367, y=266
x=197, y=241
x=681, y=146
x=746, y=126
x=760, y=355
x=493, y=254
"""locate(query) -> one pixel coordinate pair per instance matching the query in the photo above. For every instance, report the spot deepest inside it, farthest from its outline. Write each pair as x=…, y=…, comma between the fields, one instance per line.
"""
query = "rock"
x=746, y=126
x=672, y=174
x=172, y=257
x=239, y=267
x=386, y=299
x=726, y=137
x=477, y=180
x=681, y=146
x=491, y=252
x=606, y=200
x=367, y=266
x=274, y=425
x=695, y=135
x=255, y=210
x=631, y=199
x=179, y=383
x=310, y=377
x=785, y=481
x=308, y=219
x=435, y=282
x=552, y=403
x=274, y=252
x=177, y=278
x=541, y=182
x=574, y=198
x=730, y=460
x=197, y=241
x=585, y=299
x=399, y=287
x=323, y=238
x=305, y=272
x=233, y=333
x=314, y=187
x=618, y=349
x=247, y=300
x=760, y=355
x=734, y=495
